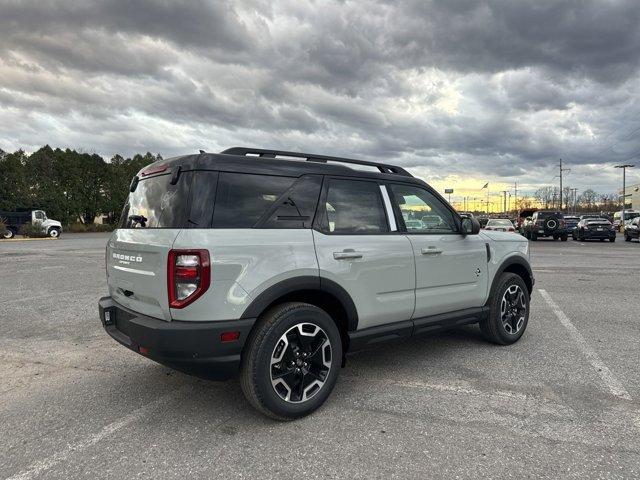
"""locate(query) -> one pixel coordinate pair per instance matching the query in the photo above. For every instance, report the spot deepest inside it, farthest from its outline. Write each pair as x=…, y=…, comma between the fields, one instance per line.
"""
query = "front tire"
x=564, y=238
x=54, y=232
x=509, y=311
x=291, y=361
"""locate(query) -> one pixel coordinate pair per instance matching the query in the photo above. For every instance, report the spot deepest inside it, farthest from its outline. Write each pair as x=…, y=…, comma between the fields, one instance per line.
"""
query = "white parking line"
x=607, y=376
x=50, y=462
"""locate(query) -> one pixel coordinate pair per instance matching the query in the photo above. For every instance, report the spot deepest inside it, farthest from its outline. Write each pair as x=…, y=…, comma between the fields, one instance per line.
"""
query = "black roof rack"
x=312, y=157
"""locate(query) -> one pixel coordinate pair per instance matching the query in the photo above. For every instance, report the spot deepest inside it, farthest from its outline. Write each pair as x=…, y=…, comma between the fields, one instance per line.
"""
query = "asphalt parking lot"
x=564, y=402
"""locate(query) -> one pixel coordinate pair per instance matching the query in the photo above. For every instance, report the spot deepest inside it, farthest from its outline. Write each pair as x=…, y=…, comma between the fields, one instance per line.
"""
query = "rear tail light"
x=511, y=229
x=188, y=276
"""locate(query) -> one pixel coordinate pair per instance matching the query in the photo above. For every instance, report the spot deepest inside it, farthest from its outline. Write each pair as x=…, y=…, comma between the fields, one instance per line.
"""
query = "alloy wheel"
x=513, y=309
x=300, y=362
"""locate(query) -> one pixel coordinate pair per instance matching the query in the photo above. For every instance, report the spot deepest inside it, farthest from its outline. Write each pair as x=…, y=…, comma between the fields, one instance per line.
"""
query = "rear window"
x=242, y=198
x=549, y=214
x=156, y=203
x=500, y=223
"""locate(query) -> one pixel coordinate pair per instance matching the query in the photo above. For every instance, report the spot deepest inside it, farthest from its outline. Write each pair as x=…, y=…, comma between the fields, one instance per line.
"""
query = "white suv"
x=275, y=265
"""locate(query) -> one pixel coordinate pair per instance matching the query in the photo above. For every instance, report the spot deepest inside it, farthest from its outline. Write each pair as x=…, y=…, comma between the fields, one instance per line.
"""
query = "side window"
x=38, y=215
x=422, y=211
x=353, y=207
x=243, y=198
x=297, y=206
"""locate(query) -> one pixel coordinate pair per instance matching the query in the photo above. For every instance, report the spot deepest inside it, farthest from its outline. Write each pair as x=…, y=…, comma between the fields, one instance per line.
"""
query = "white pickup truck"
x=14, y=220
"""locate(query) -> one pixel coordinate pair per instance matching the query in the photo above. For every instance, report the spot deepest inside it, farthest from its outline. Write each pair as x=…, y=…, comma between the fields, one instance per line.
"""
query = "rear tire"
x=9, y=234
x=288, y=370
x=612, y=240
x=627, y=238
x=508, y=311
x=564, y=238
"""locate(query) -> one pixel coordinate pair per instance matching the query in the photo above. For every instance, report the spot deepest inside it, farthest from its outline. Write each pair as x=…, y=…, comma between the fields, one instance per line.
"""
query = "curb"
x=26, y=239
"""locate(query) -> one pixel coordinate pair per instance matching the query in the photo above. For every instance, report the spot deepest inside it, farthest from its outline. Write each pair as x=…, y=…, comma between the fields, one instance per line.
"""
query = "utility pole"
x=504, y=208
x=574, y=192
x=515, y=195
x=624, y=190
x=562, y=170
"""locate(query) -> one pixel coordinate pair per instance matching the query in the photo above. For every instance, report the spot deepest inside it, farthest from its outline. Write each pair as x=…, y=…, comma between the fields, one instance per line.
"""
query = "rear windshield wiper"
x=141, y=219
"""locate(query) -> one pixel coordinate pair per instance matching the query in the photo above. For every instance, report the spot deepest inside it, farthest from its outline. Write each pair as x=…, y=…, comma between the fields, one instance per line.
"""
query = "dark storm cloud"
x=466, y=87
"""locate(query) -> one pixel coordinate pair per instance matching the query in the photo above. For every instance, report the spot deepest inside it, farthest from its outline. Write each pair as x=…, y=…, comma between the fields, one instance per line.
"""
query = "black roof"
x=269, y=162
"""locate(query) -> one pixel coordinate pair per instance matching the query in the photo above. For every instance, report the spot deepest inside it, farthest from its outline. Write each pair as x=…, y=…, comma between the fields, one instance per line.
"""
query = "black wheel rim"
x=300, y=362
x=513, y=309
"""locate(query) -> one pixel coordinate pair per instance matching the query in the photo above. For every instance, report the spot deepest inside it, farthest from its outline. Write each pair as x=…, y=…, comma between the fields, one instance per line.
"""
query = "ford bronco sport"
x=275, y=265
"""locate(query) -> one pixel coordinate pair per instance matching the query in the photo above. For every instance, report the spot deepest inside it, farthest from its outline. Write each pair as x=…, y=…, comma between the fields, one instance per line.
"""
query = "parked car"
x=546, y=223
x=594, y=229
x=570, y=222
x=299, y=263
x=632, y=230
x=14, y=220
x=522, y=216
x=500, y=225
x=628, y=215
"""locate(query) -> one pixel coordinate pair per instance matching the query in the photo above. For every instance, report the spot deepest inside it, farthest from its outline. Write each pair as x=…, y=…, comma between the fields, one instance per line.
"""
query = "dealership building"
x=633, y=199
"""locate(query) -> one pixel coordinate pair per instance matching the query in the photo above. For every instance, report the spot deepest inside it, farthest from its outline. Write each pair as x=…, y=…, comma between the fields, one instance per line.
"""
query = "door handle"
x=430, y=251
x=347, y=255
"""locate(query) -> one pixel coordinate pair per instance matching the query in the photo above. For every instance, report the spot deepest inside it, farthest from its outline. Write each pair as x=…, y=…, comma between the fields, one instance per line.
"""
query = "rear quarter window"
x=242, y=198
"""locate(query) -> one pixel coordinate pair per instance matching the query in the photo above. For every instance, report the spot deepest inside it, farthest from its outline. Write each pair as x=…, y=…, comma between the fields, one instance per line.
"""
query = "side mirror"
x=470, y=226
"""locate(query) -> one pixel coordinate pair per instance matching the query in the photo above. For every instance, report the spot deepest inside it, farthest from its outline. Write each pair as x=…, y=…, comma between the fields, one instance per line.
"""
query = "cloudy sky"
x=462, y=92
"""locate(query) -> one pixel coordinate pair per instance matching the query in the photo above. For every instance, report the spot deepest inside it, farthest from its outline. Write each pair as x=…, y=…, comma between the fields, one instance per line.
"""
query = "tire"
x=627, y=238
x=564, y=238
x=612, y=240
x=292, y=321
x=9, y=233
x=54, y=232
x=533, y=236
x=494, y=328
x=602, y=239
x=555, y=237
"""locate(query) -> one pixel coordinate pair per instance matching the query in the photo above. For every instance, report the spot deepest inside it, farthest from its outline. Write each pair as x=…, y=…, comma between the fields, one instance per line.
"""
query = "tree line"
x=587, y=201
x=70, y=186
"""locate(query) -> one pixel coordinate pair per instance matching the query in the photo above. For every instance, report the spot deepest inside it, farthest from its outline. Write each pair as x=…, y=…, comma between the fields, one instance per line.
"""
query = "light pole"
x=624, y=190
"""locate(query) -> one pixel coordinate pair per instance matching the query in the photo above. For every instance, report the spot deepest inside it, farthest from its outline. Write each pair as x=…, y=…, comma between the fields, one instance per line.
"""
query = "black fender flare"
x=513, y=260
x=295, y=284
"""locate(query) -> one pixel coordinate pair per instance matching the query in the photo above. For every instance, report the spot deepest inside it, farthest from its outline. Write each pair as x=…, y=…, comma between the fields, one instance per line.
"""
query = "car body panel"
x=244, y=263
x=453, y=279
x=381, y=282
x=136, y=263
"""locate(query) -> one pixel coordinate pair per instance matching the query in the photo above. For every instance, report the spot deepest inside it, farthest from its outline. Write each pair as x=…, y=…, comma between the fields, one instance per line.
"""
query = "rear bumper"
x=594, y=234
x=560, y=232
x=191, y=347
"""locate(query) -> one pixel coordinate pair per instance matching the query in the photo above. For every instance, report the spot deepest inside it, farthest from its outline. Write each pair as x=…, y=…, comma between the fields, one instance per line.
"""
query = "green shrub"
x=3, y=226
x=31, y=230
x=76, y=228
x=92, y=227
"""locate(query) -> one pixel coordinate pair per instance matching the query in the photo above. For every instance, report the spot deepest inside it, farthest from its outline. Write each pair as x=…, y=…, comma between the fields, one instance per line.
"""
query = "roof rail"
x=312, y=157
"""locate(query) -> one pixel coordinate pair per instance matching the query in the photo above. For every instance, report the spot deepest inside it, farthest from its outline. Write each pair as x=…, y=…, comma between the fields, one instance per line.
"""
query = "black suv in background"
x=546, y=223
